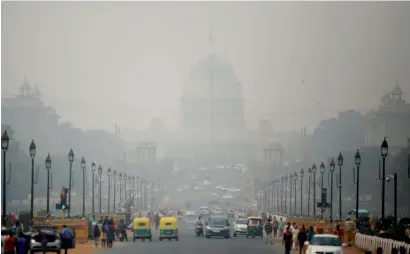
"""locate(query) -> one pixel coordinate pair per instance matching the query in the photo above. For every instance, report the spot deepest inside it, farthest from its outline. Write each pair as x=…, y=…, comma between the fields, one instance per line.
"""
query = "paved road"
x=190, y=244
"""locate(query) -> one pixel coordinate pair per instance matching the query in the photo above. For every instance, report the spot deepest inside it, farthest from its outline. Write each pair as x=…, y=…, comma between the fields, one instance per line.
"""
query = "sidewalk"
x=87, y=248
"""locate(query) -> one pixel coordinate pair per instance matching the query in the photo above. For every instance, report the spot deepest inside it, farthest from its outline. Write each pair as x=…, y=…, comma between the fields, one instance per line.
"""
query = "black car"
x=217, y=226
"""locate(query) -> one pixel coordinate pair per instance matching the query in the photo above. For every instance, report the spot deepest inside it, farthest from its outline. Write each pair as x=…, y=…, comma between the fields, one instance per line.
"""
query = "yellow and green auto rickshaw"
x=254, y=227
x=141, y=228
x=168, y=228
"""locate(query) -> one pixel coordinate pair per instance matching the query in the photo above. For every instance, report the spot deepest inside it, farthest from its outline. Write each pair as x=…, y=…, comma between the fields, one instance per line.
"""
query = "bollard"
x=394, y=251
x=379, y=250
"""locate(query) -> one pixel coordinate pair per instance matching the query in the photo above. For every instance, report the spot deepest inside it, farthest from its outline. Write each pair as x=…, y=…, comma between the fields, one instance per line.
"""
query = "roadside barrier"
x=385, y=246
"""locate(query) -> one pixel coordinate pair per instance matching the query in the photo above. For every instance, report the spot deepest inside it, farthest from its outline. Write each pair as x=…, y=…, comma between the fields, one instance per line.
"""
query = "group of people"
x=104, y=230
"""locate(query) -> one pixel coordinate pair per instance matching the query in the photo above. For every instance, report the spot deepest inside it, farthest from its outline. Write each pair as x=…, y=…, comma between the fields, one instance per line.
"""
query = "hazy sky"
x=91, y=60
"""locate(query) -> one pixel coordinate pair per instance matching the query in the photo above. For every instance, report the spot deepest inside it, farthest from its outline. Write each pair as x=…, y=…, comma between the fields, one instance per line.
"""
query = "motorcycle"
x=199, y=231
x=121, y=237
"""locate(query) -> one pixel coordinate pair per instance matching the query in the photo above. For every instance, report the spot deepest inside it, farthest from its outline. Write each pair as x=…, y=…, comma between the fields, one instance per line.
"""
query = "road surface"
x=190, y=244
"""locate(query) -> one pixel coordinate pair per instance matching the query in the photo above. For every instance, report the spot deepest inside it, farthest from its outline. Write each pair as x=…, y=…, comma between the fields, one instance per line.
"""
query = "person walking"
x=275, y=225
x=22, y=246
x=10, y=244
x=295, y=233
x=287, y=240
x=67, y=239
x=302, y=238
x=281, y=224
x=111, y=234
x=268, y=231
x=96, y=235
x=310, y=234
x=103, y=235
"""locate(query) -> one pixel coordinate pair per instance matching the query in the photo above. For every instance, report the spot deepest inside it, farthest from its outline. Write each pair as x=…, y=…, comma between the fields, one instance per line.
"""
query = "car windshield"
x=326, y=241
x=217, y=222
x=241, y=222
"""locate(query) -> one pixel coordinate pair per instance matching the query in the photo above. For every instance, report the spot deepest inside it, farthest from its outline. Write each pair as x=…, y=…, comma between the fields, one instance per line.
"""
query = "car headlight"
x=33, y=241
x=208, y=228
x=226, y=228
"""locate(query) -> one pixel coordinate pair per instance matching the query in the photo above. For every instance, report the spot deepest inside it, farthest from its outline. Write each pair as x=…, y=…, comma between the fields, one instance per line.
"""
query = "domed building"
x=212, y=97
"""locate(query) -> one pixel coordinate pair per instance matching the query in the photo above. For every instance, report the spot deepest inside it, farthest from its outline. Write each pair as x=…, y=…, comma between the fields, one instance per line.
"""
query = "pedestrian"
x=295, y=233
x=67, y=239
x=103, y=235
x=22, y=246
x=302, y=237
x=96, y=235
x=281, y=224
x=110, y=234
x=10, y=244
x=275, y=227
x=287, y=240
x=310, y=234
x=339, y=232
x=268, y=231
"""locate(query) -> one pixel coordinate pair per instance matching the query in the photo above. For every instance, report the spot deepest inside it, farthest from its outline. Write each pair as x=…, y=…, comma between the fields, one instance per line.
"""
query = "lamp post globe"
x=310, y=172
x=302, y=173
x=83, y=163
x=93, y=166
x=71, y=155
x=357, y=158
x=5, y=141
x=295, y=176
x=340, y=160
x=100, y=170
x=48, y=162
x=314, y=168
x=48, y=167
x=332, y=166
x=384, y=148
x=32, y=148
x=322, y=167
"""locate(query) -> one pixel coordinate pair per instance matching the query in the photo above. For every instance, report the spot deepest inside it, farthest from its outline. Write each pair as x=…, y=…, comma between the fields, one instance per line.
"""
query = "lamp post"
x=314, y=189
x=340, y=164
x=295, y=178
x=286, y=186
x=109, y=189
x=138, y=193
x=277, y=196
x=282, y=180
x=290, y=192
x=302, y=174
x=115, y=190
x=100, y=170
x=125, y=187
x=32, y=148
x=332, y=169
x=273, y=196
x=70, y=159
x=48, y=167
x=5, y=141
x=120, y=180
x=358, y=161
x=322, y=171
x=93, y=187
x=309, y=187
x=384, y=150
x=394, y=176
x=133, y=191
x=83, y=164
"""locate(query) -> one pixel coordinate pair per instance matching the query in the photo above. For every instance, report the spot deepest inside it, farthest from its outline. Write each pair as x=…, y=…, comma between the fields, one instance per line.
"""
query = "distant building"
x=391, y=120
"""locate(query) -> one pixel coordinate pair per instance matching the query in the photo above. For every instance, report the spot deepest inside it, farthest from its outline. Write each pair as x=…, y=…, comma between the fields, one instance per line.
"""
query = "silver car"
x=53, y=241
x=240, y=227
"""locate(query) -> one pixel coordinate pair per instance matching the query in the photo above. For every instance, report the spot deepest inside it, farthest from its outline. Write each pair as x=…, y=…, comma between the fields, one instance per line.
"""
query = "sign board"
x=323, y=205
x=323, y=195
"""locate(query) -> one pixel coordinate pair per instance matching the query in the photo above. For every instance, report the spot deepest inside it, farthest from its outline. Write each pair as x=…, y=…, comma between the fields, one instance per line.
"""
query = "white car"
x=204, y=210
x=240, y=227
x=325, y=243
x=190, y=213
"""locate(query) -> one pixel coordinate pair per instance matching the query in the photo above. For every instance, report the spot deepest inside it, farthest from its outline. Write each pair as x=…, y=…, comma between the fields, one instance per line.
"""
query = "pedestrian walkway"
x=87, y=248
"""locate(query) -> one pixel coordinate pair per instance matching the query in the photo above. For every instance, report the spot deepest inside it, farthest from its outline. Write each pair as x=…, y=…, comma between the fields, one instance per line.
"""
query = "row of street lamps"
x=142, y=185
x=279, y=186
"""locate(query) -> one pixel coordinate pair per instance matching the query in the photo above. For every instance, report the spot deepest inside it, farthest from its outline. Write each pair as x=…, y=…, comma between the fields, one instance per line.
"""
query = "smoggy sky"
x=106, y=63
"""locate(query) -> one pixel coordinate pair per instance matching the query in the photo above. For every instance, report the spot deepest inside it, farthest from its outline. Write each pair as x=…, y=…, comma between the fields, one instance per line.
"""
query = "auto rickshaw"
x=141, y=228
x=255, y=227
x=168, y=228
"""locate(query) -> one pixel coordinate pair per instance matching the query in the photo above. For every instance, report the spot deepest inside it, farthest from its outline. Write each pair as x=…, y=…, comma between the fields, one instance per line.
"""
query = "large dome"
x=208, y=71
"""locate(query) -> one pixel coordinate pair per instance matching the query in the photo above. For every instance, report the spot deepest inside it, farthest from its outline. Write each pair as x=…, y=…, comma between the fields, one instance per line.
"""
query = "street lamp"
x=273, y=195
x=295, y=178
x=138, y=193
x=340, y=164
x=394, y=176
x=32, y=149
x=115, y=190
x=133, y=191
x=109, y=188
x=302, y=174
x=286, y=186
x=384, y=150
x=83, y=165
x=309, y=187
x=358, y=161
x=332, y=169
x=48, y=167
x=120, y=180
x=93, y=165
x=314, y=189
x=70, y=159
x=125, y=187
x=5, y=141
x=290, y=192
x=322, y=171
x=100, y=170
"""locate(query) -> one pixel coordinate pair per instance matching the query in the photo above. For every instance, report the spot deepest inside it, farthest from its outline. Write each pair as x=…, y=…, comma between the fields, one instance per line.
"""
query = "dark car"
x=217, y=226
